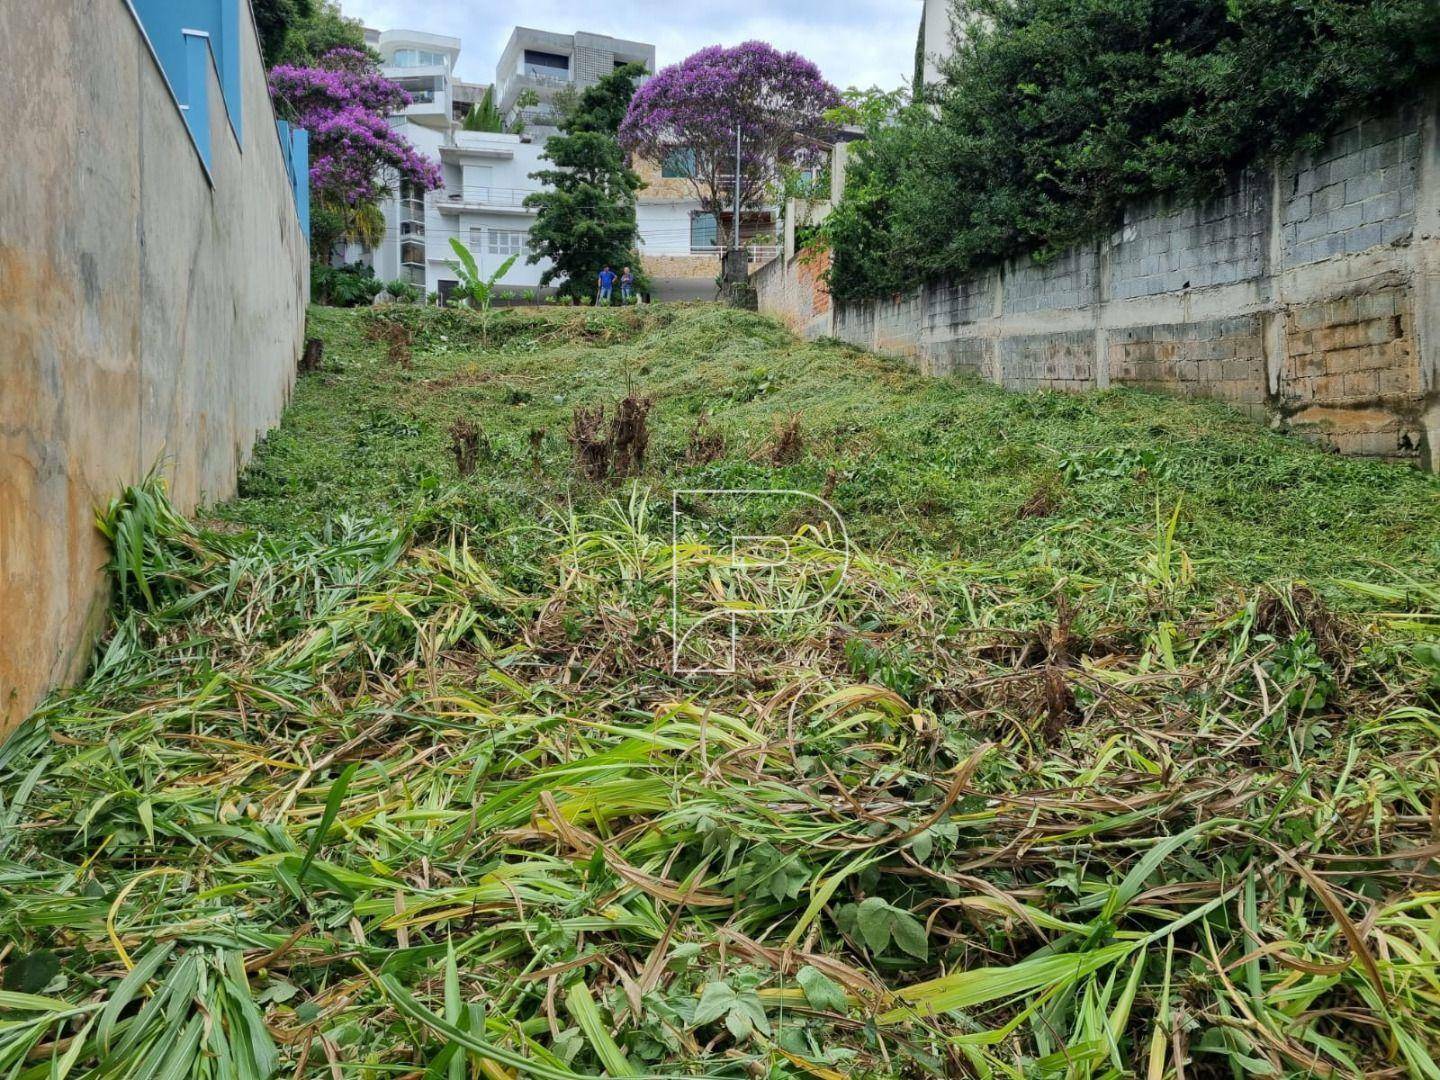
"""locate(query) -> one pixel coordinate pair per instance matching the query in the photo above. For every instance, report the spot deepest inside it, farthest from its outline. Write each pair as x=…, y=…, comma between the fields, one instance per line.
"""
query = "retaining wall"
x=1308, y=294
x=153, y=278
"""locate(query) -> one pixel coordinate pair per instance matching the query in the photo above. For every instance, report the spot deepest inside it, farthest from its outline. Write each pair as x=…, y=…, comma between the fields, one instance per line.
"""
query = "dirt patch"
x=396, y=336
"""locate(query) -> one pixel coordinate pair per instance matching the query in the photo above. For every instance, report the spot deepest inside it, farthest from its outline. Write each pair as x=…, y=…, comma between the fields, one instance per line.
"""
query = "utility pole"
x=735, y=221
x=734, y=264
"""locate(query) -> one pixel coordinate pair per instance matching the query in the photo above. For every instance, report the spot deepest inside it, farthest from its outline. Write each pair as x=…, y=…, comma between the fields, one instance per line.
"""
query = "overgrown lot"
x=1111, y=749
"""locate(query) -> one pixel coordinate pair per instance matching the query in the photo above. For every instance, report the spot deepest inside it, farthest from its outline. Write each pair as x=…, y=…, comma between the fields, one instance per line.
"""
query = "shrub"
x=1053, y=114
x=404, y=292
x=343, y=286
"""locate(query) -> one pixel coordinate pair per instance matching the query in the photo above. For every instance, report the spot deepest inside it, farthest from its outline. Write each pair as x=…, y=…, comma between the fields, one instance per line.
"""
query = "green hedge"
x=1056, y=113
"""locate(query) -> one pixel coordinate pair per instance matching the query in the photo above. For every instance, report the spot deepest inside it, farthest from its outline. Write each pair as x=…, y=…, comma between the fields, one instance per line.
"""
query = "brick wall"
x=1307, y=293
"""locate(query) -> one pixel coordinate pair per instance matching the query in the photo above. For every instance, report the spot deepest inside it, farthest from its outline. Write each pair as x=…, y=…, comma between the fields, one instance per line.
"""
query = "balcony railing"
x=479, y=195
x=753, y=252
x=546, y=76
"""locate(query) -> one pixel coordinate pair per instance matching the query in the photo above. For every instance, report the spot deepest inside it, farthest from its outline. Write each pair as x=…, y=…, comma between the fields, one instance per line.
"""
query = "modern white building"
x=487, y=177
x=937, y=38
x=424, y=64
x=549, y=65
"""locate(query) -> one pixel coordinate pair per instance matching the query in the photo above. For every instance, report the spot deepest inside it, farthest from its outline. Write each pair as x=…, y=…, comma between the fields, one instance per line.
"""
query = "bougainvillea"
x=778, y=101
x=356, y=157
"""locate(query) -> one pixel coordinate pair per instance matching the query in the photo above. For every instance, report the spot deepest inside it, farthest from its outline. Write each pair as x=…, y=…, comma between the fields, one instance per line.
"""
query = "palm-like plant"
x=478, y=290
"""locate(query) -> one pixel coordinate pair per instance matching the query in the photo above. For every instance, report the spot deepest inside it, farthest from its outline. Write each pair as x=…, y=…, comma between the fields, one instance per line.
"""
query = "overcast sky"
x=855, y=42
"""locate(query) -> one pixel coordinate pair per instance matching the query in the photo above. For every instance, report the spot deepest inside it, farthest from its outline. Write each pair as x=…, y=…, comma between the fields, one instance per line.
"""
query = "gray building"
x=552, y=65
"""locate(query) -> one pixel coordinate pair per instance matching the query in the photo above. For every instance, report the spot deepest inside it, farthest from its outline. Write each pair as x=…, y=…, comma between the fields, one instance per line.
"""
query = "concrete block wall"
x=151, y=309
x=1307, y=294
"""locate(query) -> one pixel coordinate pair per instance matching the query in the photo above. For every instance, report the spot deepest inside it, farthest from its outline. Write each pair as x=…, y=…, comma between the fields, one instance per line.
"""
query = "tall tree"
x=586, y=217
x=301, y=32
x=356, y=157
x=273, y=22
x=483, y=116
x=777, y=100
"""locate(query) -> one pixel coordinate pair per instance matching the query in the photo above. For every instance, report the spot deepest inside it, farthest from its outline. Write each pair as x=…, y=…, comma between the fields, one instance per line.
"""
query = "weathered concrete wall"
x=149, y=313
x=1308, y=294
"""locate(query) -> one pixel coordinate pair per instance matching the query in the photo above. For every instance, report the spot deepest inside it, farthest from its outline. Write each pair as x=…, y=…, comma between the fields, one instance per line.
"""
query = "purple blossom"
x=777, y=99
x=356, y=156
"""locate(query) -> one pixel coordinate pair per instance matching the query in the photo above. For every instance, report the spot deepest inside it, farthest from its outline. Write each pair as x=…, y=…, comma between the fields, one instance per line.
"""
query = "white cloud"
x=855, y=42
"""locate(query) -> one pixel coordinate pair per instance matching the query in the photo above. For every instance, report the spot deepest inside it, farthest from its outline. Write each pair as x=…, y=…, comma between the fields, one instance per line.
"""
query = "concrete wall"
x=151, y=310
x=1308, y=294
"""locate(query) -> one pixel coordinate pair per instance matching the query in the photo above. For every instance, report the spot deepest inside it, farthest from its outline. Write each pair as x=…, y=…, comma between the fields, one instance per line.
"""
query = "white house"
x=424, y=64
x=937, y=38
x=487, y=177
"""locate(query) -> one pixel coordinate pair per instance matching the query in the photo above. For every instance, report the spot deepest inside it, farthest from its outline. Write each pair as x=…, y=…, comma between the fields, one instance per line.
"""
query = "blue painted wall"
x=189, y=35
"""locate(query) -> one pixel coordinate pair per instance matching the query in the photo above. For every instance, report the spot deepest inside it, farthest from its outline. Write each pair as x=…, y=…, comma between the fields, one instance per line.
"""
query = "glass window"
x=679, y=162
x=477, y=238
x=417, y=58
x=703, y=233
x=507, y=242
x=546, y=65
x=412, y=253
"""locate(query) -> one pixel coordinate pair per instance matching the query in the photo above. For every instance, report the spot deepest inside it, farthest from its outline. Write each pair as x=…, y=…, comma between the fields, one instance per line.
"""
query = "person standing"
x=627, y=285
x=606, y=282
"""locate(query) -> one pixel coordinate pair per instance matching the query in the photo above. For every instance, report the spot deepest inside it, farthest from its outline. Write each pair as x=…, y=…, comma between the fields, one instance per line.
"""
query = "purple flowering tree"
x=356, y=157
x=688, y=113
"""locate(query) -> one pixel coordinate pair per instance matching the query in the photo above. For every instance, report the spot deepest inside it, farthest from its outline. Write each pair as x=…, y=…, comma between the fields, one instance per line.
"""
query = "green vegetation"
x=585, y=217
x=1113, y=750
x=483, y=115
x=1053, y=114
x=300, y=32
x=343, y=286
x=474, y=286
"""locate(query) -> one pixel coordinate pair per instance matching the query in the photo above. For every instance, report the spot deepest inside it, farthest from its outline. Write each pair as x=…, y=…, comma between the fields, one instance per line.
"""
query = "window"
x=477, y=238
x=703, y=233
x=679, y=162
x=412, y=253
x=544, y=65
x=507, y=241
x=418, y=58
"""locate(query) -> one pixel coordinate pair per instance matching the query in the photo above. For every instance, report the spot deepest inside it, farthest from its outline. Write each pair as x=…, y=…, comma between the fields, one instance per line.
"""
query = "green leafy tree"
x=586, y=217
x=1054, y=114
x=273, y=22
x=483, y=116
x=300, y=32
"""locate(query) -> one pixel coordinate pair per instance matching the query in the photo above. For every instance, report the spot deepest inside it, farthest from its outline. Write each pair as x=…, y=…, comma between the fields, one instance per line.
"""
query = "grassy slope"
x=1044, y=790
x=942, y=465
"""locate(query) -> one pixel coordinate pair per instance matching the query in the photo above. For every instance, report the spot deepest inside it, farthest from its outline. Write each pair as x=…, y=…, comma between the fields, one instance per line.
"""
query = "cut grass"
x=1070, y=776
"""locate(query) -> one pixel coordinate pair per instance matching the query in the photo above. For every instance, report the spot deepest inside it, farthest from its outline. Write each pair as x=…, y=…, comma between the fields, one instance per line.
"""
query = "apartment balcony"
x=754, y=253
x=429, y=90
x=543, y=85
x=502, y=200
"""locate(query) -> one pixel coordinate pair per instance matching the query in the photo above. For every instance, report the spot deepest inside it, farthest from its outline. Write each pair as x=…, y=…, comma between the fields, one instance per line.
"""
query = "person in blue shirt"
x=606, y=282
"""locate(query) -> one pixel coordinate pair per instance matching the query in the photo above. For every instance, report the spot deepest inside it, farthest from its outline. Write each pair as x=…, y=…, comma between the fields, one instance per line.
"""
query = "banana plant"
x=478, y=290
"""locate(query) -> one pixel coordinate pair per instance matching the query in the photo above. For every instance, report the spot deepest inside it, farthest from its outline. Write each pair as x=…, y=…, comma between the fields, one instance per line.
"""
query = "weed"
x=1094, y=792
